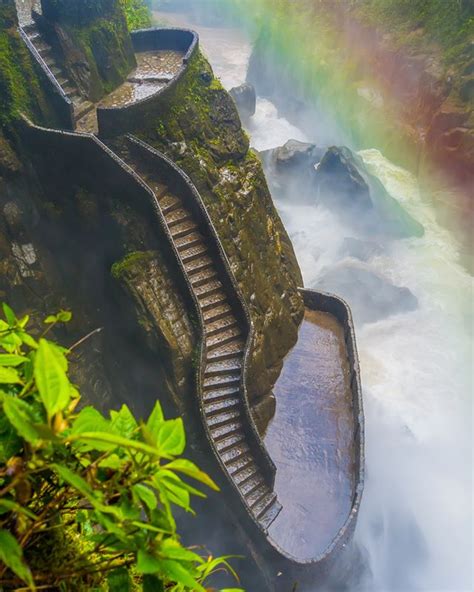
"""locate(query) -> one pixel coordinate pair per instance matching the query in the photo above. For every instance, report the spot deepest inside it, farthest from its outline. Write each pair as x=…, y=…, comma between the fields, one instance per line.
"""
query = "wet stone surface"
x=24, y=9
x=311, y=439
x=154, y=71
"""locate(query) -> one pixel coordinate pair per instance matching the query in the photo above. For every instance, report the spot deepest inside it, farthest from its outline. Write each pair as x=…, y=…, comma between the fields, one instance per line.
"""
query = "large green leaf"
x=119, y=580
x=152, y=584
x=91, y=420
x=181, y=465
x=10, y=441
x=12, y=556
x=123, y=423
x=9, y=376
x=172, y=488
x=9, y=314
x=22, y=417
x=51, y=379
x=116, y=441
x=155, y=421
x=12, y=360
x=171, y=437
x=145, y=495
x=171, y=549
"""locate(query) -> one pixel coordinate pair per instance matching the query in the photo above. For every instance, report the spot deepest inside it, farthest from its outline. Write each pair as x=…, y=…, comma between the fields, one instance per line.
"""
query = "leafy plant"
x=137, y=14
x=86, y=501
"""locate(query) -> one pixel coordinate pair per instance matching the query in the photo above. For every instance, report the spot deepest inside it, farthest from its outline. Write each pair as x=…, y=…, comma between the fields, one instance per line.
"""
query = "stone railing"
x=116, y=121
x=62, y=104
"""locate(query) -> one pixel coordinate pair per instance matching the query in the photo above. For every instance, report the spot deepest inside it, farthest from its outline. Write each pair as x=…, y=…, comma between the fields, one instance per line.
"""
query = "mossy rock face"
x=8, y=15
x=163, y=317
x=93, y=41
x=199, y=128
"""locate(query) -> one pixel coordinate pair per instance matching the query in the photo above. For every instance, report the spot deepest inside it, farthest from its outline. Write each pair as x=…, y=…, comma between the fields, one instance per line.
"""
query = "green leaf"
x=155, y=421
x=22, y=418
x=145, y=495
x=75, y=480
x=51, y=379
x=64, y=316
x=12, y=556
x=171, y=549
x=119, y=580
x=152, y=584
x=171, y=437
x=180, y=574
x=12, y=360
x=10, y=442
x=147, y=564
x=117, y=441
x=189, y=469
x=9, y=315
x=9, y=376
x=49, y=320
x=28, y=340
x=171, y=486
x=123, y=423
x=91, y=420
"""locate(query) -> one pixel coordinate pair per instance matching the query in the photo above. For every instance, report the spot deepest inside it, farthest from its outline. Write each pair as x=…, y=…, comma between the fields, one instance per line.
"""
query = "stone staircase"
x=81, y=105
x=225, y=345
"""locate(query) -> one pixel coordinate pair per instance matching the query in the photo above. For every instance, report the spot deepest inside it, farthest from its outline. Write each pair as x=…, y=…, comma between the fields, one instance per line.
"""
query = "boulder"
x=343, y=180
x=245, y=98
x=290, y=168
x=371, y=296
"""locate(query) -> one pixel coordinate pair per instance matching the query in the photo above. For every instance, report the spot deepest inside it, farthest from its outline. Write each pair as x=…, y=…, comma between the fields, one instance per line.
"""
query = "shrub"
x=86, y=501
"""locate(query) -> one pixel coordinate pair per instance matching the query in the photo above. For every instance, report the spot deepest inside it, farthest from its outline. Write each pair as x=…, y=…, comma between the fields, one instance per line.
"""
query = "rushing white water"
x=415, y=524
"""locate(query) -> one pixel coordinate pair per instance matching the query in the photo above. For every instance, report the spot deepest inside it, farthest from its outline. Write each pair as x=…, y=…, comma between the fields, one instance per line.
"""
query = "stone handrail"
x=193, y=200
x=115, y=121
x=59, y=98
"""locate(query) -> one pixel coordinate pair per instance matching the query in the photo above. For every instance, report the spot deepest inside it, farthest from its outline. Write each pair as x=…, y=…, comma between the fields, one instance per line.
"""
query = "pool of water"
x=311, y=439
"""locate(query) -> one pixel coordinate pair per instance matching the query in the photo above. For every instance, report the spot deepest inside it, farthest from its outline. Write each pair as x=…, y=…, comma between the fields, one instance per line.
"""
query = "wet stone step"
x=169, y=203
x=240, y=464
x=217, y=312
x=257, y=495
x=188, y=241
x=232, y=427
x=223, y=418
x=233, y=455
x=269, y=515
x=215, y=298
x=224, y=336
x=198, y=264
x=216, y=382
x=254, y=482
x=262, y=505
x=177, y=216
x=224, y=366
x=203, y=277
x=227, y=351
x=247, y=473
x=211, y=409
x=222, y=393
x=193, y=253
x=183, y=229
x=229, y=441
x=214, y=327
x=208, y=289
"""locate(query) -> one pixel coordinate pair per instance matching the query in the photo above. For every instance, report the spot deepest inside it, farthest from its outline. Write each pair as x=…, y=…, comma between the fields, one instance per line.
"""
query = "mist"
x=415, y=525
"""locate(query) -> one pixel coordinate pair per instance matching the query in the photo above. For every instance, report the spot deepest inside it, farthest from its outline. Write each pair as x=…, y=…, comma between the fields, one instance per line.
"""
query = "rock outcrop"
x=342, y=178
x=245, y=98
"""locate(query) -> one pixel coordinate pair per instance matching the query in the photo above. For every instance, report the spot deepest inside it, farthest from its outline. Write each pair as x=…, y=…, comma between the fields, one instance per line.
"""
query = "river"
x=415, y=525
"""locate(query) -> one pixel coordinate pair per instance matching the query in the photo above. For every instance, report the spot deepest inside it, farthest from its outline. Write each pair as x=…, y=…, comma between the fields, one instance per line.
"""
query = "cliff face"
x=391, y=75
x=93, y=40
x=199, y=128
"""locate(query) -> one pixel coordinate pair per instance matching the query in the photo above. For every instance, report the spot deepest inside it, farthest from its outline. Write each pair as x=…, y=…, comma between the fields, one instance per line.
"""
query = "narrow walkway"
x=225, y=343
x=311, y=439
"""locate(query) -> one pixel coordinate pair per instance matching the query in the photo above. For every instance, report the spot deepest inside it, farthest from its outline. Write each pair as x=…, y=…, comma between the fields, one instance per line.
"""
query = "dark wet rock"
x=245, y=98
x=371, y=296
x=343, y=180
x=360, y=249
x=206, y=77
x=290, y=169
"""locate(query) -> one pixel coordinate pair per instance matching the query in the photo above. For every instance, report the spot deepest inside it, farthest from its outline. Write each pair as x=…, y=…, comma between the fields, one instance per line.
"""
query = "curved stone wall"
x=120, y=120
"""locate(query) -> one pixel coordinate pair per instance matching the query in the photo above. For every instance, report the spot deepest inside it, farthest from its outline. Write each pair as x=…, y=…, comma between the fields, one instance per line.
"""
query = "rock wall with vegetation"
x=392, y=74
x=92, y=37
x=199, y=128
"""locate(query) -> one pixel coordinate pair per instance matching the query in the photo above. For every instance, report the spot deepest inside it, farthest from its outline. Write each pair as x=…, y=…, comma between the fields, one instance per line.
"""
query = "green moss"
x=137, y=13
x=120, y=268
